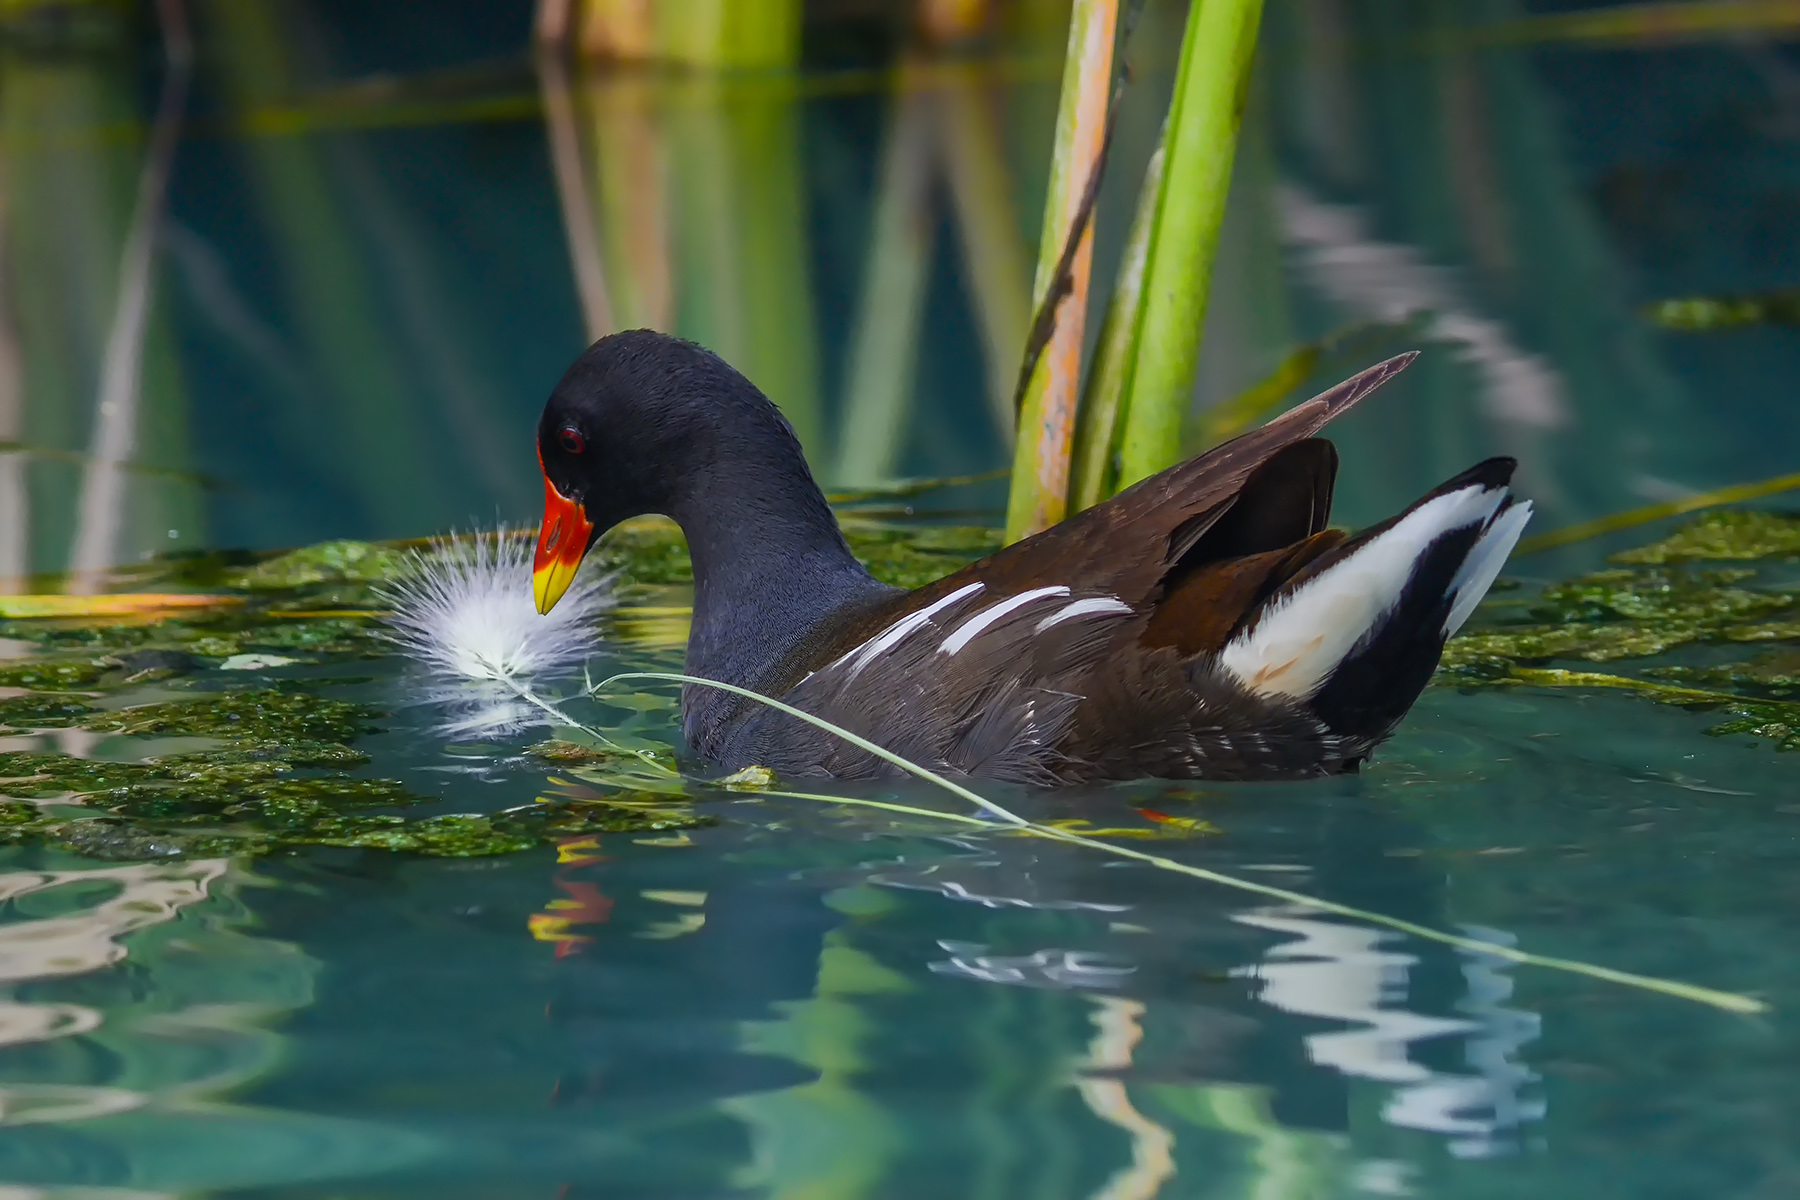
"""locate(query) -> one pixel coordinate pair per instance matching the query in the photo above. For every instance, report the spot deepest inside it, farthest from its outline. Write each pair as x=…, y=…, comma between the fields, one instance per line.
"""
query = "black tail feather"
x=1379, y=680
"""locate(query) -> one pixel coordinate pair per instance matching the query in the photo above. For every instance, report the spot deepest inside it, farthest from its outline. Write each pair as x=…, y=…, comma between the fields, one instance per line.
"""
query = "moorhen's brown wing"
x=988, y=670
x=1125, y=546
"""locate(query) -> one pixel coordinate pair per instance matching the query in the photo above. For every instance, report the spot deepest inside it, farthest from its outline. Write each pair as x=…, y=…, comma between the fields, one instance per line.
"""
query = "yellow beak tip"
x=549, y=584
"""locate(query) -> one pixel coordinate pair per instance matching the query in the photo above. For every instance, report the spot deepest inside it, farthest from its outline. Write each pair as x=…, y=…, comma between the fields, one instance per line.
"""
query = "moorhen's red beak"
x=562, y=544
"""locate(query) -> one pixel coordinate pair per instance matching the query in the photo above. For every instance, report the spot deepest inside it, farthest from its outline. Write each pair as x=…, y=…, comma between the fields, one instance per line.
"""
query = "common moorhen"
x=1205, y=623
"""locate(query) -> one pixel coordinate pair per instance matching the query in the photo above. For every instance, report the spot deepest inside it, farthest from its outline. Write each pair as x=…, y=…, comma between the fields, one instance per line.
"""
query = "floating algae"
x=269, y=716
x=1655, y=599
x=1774, y=672
x=912, y=558
x=327, y=563
x=1629, y=613
x=51, y=676
x=1722, y=536
x=278, y=775
x=248, y=801
x=276, y=779
x=1703, y=314
x=42, y=712
x=647, y=552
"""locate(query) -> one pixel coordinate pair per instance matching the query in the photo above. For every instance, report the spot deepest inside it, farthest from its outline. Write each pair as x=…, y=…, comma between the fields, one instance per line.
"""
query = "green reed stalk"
x=587, y=263
x=1210, y=87
x=761, y=117
x=1040, y=482
x=763, y=33
x=628, y=179
x=758, y=34
x=1728, y=1001
x=994, y=254
x=1102, y=401
x=363, y=423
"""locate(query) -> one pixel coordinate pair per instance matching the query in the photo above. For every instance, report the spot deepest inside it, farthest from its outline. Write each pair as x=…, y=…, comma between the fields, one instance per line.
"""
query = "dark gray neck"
x=771, y=572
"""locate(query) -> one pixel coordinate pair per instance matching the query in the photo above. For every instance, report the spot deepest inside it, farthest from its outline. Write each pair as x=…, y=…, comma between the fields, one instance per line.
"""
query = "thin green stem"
x=903, y=487
x=859, y=742
x=885, y=806
x=1728, y=1001
x=530, y=697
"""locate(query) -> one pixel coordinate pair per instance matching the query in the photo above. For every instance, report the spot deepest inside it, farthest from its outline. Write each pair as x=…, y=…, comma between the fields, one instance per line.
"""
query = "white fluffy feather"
x=1300, y=641
x=465, y=613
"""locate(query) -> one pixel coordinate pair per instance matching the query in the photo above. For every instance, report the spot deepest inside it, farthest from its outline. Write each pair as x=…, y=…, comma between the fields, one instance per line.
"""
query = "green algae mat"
x=227, y=732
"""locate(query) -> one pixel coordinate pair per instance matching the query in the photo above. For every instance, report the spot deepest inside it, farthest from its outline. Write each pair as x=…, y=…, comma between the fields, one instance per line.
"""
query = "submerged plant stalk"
x=102, y=504
x=994, y=253
x=1659, y=21
x=884, y=341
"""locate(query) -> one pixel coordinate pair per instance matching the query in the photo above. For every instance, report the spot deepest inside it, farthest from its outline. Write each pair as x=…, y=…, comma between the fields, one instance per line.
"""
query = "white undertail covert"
x=1296, y=644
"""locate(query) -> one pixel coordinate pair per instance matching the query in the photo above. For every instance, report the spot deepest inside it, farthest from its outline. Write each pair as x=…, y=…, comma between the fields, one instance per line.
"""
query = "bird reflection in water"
x=1394, y=1023
x=1343, y=973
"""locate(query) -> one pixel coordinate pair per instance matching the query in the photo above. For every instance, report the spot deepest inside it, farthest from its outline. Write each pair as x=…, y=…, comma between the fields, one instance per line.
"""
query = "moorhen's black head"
x=639, y=424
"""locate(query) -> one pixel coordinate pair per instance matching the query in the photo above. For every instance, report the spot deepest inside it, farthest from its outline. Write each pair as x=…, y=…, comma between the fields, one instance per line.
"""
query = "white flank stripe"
x=1482, y=567
x=890, y=637
x=966, y=632
x=1299, y=642
x=1082, y=608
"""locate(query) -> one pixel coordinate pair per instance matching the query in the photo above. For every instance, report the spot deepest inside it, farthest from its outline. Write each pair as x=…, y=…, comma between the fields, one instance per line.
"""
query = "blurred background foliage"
x=385, y=229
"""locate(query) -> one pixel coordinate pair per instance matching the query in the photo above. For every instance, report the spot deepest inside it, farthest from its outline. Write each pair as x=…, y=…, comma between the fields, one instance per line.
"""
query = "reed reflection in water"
x=170, y=1011
x=1173, y=1096
x=363, y=285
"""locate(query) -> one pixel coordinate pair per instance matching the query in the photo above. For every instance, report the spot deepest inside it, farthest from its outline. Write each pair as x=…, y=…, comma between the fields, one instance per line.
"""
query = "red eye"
x=571, y=440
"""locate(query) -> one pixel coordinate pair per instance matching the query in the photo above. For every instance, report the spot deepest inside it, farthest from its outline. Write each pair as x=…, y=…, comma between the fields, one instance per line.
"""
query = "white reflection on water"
x=988, y=880
x=1385, y=281
x=1077, y=970
x=149, y=894
x=187, y=1025
x=75, y=943
x=1339, y=972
